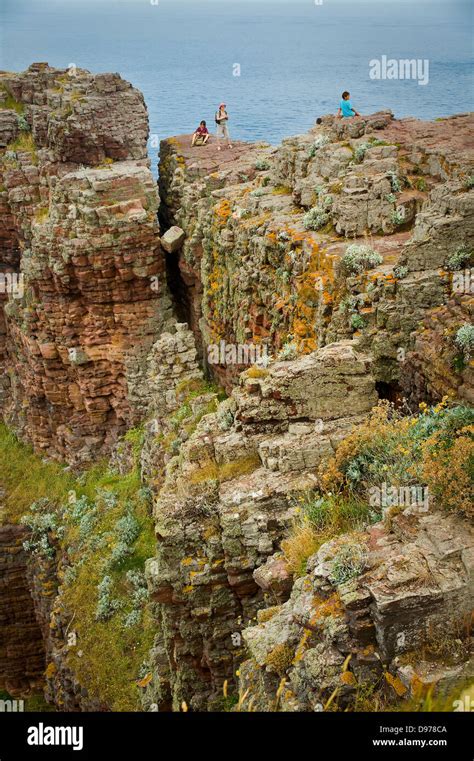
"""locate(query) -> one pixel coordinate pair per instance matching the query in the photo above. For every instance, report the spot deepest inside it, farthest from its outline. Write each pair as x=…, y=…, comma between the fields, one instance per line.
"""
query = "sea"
x=278, y=65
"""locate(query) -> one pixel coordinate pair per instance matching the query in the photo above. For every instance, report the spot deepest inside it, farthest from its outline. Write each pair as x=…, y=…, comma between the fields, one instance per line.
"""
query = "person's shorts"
x=223, y=130
x=200, y=140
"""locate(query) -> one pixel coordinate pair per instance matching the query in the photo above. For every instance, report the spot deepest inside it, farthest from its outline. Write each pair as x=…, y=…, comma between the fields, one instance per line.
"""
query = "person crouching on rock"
x=201, y=136
x=222, y=117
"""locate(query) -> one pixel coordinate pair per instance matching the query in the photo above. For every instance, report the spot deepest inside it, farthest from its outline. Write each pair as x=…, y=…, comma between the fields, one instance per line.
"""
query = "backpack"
x=217, y=120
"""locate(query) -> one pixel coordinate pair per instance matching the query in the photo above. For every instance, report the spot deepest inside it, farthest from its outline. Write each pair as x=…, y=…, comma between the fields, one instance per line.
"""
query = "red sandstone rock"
x=79, y=222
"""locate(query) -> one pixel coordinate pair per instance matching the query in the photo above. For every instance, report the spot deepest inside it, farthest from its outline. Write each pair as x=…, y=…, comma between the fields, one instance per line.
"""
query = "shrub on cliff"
x=360, y=151
x=349, y=561
x=22, y=123
x=358, y=322
x=319, y=518
x=465, y=340
x=288, y=352
x=106, y=605
x=461, y=258
x=45, y=527
x=320, y=142
x=359, y=258
x=448, y=469
x=400, y=451
x=315, y=219
x=400, y=272
x=433, y=450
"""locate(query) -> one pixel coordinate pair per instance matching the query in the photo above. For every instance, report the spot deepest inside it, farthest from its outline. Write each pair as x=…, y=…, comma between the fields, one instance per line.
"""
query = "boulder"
x=173, y=239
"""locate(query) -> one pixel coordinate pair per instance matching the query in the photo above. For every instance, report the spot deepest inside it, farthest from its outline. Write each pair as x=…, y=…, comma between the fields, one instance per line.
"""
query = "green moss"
x=93, y=513
x=25, y=477
x=41, y=214
x=225, y=472
x=280, y=659
x=10, y=102
x=135, y=437
x=281, y=190
x=189, y=389
x=38, y=704
x=25, y=144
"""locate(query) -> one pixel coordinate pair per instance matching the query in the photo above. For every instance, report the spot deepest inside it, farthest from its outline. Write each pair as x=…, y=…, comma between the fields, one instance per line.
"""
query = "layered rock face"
x=84, y=289
x=225, y=504
x=254, y=271
x=22, y=656
x=399, y=624
x=343, y=253
x=258, y=268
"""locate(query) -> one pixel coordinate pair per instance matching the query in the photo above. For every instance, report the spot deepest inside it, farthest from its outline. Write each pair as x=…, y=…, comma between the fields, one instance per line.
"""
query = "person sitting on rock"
x=222, y=117
x=201, y=135
x=346, y=110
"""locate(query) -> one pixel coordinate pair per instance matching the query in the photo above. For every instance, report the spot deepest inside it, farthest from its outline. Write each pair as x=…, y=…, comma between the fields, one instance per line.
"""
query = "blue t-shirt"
x=346, y=108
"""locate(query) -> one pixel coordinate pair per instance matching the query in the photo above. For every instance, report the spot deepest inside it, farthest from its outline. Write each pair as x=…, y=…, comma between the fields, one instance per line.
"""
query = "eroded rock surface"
x=80, y=239
x=253, y=246
x=225, y=505
x=396, y=627
x=253, y=273
x=22, y=653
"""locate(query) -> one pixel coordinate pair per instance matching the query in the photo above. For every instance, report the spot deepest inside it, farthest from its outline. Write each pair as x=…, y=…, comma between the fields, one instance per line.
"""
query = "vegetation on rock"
x=98, y=530
x=359, y=258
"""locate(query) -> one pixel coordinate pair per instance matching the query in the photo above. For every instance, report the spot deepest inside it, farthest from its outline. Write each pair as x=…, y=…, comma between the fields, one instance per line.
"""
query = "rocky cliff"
x=267, y=230
x=224, y=549
x=81, y=264
x=400, y=626
x=22, y=659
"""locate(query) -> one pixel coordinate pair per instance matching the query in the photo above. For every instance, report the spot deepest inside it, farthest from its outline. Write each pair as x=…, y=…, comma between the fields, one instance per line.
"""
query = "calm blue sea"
x=295, y=57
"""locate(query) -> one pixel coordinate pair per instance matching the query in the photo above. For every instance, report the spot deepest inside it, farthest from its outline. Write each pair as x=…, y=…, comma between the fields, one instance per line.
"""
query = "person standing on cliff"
x=222, y=118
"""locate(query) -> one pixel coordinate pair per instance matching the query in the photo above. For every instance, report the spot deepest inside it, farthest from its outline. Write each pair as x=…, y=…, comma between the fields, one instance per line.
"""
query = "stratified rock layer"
x=255, y=274
x=80, y=238
x=254, y=248
x=397, y=627
x=225, y=505
x=22, y=656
